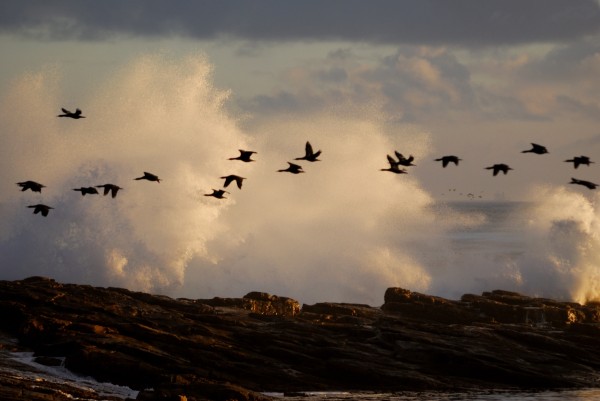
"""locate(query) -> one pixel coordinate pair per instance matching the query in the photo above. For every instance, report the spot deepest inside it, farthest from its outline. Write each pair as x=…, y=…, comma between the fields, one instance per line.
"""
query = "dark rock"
x=236, y=348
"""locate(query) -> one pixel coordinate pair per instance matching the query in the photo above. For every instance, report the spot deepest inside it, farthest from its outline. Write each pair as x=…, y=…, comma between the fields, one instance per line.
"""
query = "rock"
x=237, y=348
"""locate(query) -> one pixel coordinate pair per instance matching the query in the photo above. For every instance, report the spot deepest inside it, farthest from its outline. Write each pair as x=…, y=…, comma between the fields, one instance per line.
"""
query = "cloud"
x=463, y=22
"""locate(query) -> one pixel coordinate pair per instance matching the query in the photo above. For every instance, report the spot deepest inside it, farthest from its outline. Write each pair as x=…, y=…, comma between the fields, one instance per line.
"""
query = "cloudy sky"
x=481, y=80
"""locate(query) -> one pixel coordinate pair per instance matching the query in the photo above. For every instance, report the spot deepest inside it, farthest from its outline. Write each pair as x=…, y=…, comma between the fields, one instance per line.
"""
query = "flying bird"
x=537, y=149
x=586, y=184
x=32, y=185
x=149, y=177
x=293, y=168
x=499, y=167
x=113, y=189
x=232, y=177
x=309, y=154
x=403, y=161
x=577, y=160
x=39, y=208
x=245, y=156
x=87, y=190
x=394, y=166
x=394, y=169
x=448, y=159
x=75, y=115
x=218, y=193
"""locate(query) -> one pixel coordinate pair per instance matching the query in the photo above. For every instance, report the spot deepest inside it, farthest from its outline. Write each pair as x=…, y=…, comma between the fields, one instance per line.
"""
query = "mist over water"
x=342, y=231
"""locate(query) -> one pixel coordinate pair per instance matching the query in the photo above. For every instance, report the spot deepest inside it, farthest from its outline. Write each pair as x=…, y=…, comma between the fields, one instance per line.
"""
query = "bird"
x=586, y=184
x=403, y=161
x=75, y=115
x=149, y=177
x=577, y=160
x=232, y=177
x=113, y=189
x=499, y=167
x=245, y=156
x=293, y=168
x=218, y=193
x=32, y=185
x=448, y=159
x=87, y=190
x=394, y=166
x=395, y=169
x=40, y=208
x=537, y=149
x=309, y=155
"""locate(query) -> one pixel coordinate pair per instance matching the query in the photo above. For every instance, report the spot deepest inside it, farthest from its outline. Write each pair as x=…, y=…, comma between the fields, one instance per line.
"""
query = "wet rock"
x=236, y=348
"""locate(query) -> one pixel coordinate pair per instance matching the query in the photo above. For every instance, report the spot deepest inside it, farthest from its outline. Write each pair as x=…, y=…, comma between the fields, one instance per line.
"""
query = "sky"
x=178, y=88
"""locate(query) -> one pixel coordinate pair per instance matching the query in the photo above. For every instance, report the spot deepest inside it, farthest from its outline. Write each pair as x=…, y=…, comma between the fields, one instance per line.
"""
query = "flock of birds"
x=396, y=165
x=496, y=168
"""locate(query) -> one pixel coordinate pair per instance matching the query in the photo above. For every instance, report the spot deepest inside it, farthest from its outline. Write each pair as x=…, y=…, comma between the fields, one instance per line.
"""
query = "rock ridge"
x=240, y=348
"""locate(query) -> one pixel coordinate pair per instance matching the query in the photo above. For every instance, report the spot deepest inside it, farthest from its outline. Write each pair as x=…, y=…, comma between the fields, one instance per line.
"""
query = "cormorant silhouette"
x=245, y=156
x=403, y=161
x=586, y=184
x=32, y=185
x=395, y=169
x=448, y=159
x=39, y=208
x=309, y=154
x=394, y=166
x=537, y=149
x=87, y=190
x=577, y=160
x=232, y=177
x=149, y=177
x=75, y=115
x=112, y=188
x=218, y=193
x=293, y=168
x=499, y=167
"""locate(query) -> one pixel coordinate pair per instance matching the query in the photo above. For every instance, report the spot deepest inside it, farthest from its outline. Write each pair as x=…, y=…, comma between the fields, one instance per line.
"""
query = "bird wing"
x=65, y=110
x=309, y=149
x=445, y=162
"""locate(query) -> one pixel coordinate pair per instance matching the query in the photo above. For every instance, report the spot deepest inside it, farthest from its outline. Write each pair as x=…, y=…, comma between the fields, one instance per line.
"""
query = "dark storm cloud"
x=463, y=22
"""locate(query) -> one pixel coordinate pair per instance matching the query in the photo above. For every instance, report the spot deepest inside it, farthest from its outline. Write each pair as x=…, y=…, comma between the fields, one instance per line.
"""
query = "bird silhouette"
x=31, y=185
x=586, y=184
x=232, y=177
x=309, y=155
x=395, y=169
x=149, y=177
x=448, y=159
x=245, y=156
x=218, y=193
x=87, y=190
x=293, y=168
x=578, y=160
x=403, y=161
x=112, y=188
x=394, y=166
x=499, y=167
x=75, y=115
x=40, y=208
x=537, y=149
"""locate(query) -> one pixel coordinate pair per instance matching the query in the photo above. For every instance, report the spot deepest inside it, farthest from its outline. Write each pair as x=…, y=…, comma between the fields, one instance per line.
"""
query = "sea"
x=495, y=232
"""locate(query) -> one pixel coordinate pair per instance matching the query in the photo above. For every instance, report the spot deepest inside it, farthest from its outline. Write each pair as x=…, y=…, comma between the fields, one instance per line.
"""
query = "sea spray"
x=343, y=231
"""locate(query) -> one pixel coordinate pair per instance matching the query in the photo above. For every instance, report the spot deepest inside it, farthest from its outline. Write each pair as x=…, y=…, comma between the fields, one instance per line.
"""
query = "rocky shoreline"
x=240, y=348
